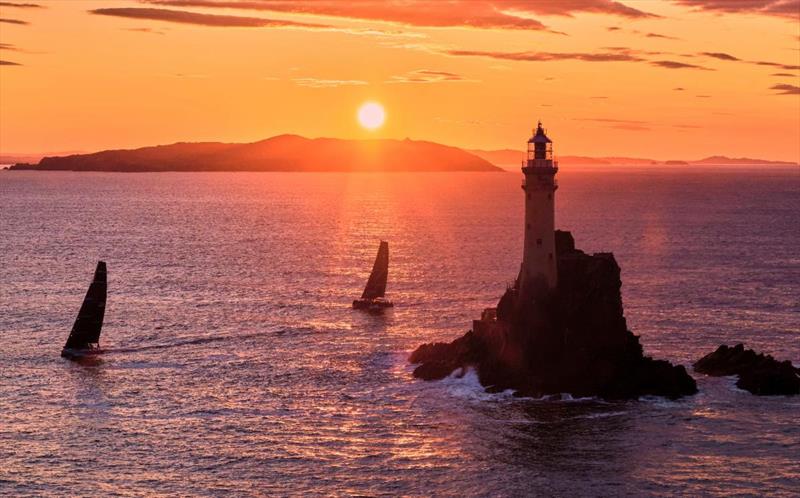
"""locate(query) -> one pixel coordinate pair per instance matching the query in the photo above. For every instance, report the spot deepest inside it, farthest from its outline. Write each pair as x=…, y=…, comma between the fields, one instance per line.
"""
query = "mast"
x=89, y=322
x=376, y=285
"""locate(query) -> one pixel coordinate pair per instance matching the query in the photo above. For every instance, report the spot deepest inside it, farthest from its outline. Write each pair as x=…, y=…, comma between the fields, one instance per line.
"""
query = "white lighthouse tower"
x=538, y=256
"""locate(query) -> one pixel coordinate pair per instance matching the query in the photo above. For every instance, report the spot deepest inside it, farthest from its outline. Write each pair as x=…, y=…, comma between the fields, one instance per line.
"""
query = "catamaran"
x=84, y=339
x=373, y=298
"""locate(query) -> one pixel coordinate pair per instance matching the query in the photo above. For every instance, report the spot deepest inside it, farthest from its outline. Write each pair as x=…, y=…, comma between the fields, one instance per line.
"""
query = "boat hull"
x=80, y=353
x=371, y=304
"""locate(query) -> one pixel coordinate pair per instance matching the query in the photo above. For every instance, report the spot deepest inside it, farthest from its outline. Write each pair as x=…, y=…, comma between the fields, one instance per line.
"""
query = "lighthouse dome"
x=539, y=136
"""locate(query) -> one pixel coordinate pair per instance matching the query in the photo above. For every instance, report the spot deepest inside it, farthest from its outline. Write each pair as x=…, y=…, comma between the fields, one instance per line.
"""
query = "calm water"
x=237, y=366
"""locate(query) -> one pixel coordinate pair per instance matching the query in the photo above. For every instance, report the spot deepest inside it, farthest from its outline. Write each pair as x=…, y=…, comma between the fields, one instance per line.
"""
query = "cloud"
x=8, y=46
x=488, y=14
x=783, y=75
x=427, y=76
x=679, y=89
x=612, y=120
x=613, y=28
x=548, y=56
x=656, y=35
x=21, y=5
x=678, y=65
x=788, y=67
x=721, y=56
x=9, y=63
x=703, y=96
x=180, y=16
x=782, y=8
x=323, y=83
x=631, y=127
x=728, y=57
x=146, y=30
x=14, y=21
x=620, y=124
x=786, y=89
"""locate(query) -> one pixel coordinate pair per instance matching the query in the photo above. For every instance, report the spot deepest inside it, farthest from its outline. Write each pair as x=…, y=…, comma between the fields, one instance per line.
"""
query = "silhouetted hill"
x=281, y=153
x=722, y=160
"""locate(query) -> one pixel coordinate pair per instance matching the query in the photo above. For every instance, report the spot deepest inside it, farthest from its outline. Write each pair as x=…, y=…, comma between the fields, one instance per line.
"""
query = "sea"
x=235, y=366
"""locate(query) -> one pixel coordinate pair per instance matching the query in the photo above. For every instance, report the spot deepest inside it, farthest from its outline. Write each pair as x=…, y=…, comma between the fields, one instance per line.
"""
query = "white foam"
x=464, y=383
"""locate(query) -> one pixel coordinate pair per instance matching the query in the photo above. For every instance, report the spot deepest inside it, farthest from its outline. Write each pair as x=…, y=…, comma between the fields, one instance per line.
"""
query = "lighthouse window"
x=538, y=242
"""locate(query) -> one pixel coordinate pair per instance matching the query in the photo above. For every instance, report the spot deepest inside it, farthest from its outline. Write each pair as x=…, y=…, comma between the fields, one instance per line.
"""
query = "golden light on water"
x=371, y=115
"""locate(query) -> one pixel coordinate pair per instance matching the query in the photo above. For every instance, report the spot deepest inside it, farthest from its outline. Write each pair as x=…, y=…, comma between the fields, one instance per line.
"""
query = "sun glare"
x=371, y=115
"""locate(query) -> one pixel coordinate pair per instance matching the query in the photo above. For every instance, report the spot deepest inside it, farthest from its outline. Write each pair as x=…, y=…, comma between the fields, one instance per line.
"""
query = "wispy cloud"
x=657, y=35
x=782, y=8
x=679, y=89
x=732, y=58
x=613, y=120
x=620, y=124
x=14, y=21
x=184, y=17
x=427, y=76
x=146, y=30
x=721, y=56
x=488, y=14
x=21, y=5
x=788, y=67
x=548, y=56
x=9, y=63
x=323, y=83
x=786, y=89
x=8, y=46
x=784, y=75
x=678, y=65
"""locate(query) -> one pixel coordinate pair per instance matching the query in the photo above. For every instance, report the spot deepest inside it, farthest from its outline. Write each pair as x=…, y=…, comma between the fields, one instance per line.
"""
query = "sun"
x=371, y=115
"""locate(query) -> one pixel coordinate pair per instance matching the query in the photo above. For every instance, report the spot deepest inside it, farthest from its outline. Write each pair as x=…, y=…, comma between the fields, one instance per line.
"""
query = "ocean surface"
x=237, y=367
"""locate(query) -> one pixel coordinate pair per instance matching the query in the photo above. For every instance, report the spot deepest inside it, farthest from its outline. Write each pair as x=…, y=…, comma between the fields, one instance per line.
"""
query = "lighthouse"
x=538, y=255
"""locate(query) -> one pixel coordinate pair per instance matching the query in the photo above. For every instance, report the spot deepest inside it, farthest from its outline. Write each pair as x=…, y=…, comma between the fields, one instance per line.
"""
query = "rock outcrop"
x=758, y=373
x=571, y=340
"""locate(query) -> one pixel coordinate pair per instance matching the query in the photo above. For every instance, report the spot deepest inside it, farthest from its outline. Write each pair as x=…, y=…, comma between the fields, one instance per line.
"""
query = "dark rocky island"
x=281, y=153
x=758, y=373
x=572, y=339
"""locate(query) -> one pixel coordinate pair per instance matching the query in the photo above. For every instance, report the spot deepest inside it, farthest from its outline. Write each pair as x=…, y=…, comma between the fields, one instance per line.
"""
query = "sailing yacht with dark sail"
x=373, y=296
x=84, y=339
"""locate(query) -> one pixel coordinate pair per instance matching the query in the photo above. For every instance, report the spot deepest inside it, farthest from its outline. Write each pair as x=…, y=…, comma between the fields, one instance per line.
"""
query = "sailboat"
x=84, y=339
x=373, y=296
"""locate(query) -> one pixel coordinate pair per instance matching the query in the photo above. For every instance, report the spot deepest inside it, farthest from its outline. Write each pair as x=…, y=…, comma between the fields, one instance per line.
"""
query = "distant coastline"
x=288, y=153
x=510, y=158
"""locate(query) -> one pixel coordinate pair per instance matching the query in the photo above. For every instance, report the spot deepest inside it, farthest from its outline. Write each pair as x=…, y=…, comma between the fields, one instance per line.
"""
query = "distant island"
x=512, y=158
x=280, y=153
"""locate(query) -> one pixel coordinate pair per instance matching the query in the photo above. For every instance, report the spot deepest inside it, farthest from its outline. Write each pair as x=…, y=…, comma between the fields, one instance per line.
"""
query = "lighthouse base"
x=572, y=339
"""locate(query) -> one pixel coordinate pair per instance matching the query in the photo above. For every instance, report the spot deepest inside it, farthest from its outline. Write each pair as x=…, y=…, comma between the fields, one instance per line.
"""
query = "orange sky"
x=662, y=79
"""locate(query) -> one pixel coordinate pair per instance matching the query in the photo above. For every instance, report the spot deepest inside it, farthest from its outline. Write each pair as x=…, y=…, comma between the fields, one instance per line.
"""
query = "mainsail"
x=376, y=285
x=87, y=326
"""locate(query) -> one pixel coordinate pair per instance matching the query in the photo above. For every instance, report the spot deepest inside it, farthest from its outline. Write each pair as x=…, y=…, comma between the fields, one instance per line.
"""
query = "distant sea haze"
x=295, y=153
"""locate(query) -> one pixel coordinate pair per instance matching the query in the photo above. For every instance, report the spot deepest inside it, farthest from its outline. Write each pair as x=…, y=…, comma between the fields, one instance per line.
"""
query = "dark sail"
x=376, y=285
x=87, y=326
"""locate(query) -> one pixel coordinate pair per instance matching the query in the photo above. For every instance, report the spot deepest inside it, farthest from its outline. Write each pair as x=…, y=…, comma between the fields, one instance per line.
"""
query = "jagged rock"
x=572, y=340
x=758, y=373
